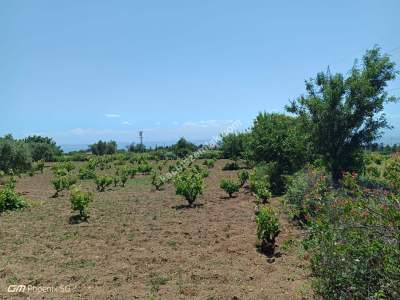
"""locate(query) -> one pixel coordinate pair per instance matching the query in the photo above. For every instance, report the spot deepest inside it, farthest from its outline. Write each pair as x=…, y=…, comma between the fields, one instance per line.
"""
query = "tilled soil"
x=139, y=242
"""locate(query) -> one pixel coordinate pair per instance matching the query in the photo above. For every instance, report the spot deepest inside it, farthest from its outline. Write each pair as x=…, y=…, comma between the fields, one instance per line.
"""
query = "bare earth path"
x=139, y=242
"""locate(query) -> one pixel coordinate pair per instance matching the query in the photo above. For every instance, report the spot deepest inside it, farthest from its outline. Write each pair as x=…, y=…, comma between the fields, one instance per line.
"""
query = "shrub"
x=209, y=163
x=279, y=140
x=203, y=172
x=10, y=200
x=392, y=172
x=157, y=180
x=123, y=177
x=353, y=243
x=145, y=168
x=231, y=166
x=102, y=182
x=124, y=172
x=14, y=155
x=229, y=186
x=63, y=182
x=267, y=229
x=306, y=193
x=87, y=173
x=243, y=176
x=132, y=172
x=261, y=191
x=39, y=166
x=80, y=201
x=116, y=180
x=189, y=185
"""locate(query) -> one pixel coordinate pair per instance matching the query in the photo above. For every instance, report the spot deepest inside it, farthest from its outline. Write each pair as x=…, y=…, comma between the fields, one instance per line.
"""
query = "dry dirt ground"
x=145, y=244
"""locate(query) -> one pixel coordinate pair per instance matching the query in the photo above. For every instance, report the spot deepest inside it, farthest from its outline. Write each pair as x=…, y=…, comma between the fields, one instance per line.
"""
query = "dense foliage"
x=278, y=138
x=189, y=184
x=103, y=148
x=267, y=229
x=42, y=148
x=183, y=148
x=9, y=199
x=234, y=145
x=80, y=201
x=229, y=186
x=342, y=114
x=14, y=155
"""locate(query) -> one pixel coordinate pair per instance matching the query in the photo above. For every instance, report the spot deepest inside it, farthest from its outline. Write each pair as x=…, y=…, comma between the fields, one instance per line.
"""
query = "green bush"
x=202, y=171
x=234, y=145
x=189, y=185
x=306, y=192
x=87, y=173
x=63, y=182
x=267, y=229
x=14, y=155
x=39, y=166
x=10, y=200
x=132, y=172
x=145, y=168
x=157, y=180
x=243, y=176
x=262, y=192
x=231, y=166
x=392, y=172
x=229, y=186
x=80, y=201
x=209, y=163
x=116, y=180
x=123, y=178
x=102, y=182
x=353, y=242
x=124, y=172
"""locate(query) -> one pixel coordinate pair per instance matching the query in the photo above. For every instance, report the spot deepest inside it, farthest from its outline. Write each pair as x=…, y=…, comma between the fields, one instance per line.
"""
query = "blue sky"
x=83, y=70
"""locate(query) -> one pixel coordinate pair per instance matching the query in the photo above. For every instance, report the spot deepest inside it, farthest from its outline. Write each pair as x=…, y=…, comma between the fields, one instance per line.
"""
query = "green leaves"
x=343, y=114
x=267, y=228
x=229, y=186
x=80, y=201
x=103, y=182
x=189, y=184
x=10, y=200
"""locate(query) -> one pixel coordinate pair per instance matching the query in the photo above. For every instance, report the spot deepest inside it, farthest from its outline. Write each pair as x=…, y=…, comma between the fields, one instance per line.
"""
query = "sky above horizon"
x=80, y=71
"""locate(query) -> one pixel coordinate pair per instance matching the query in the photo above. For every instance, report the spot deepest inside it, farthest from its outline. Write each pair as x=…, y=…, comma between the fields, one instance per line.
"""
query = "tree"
x=42, y=148
x=278, y=140
x=345, y=114
x=136, y=148
x=233, y=145
x=14, y=155
x=183, y=148
x=102, y=148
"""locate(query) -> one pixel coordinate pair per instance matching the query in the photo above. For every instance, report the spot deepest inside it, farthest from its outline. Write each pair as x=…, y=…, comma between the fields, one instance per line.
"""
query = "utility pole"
x=141, y=140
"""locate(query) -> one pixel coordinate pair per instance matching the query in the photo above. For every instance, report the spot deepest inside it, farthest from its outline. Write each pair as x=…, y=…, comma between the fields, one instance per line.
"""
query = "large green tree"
x=278, y=139
x=344, y=113
x=233, y=145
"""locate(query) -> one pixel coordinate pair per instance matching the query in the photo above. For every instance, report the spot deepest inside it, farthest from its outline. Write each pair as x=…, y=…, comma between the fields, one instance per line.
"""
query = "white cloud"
x=112, y=115
x=126, y=123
